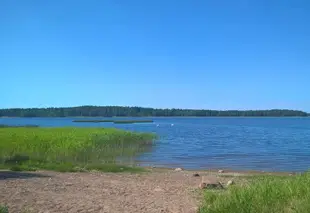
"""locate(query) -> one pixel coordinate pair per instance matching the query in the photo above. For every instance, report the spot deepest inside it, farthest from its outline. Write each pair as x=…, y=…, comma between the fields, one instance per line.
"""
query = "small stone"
x=230, y=182
x=194, y=210
x=158, y=189
x=221, y=171
x=196, y=175
x=210, y=182
x=178, y=169
x=202, y=185
x=68, y=184
x=211, y=186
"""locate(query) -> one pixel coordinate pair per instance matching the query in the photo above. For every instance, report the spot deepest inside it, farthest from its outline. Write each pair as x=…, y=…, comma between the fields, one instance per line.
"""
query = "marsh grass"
x=71, y=149
x=262, y=194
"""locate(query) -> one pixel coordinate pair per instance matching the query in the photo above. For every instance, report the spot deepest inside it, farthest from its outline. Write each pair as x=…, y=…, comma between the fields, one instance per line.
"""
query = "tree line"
x=109, y=111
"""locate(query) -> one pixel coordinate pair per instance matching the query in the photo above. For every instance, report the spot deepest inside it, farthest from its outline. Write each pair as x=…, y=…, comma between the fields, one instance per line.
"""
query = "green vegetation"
x=109, y=111
x=114, y=121
x=71, y=149
x=265, y=194
x=4, y=209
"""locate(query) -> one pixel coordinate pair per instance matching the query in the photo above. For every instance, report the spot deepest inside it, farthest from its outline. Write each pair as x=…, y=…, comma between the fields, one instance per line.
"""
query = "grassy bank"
x=265, y=194
x=70, y=149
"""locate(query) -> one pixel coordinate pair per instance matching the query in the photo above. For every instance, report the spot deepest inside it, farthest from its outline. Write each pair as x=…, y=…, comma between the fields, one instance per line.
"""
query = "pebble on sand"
x=230, y=182
x=178, y=169
x=210, y=183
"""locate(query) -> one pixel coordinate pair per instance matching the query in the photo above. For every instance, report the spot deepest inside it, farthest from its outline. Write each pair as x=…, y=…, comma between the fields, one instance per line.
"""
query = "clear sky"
x=213, y=54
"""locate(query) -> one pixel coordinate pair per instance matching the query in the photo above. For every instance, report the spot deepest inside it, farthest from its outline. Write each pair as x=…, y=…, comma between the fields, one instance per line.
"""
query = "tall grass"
x=268, y=194
x=40, y=147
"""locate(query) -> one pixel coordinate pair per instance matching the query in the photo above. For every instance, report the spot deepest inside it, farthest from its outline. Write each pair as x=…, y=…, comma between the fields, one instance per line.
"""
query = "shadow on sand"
x=20, y=175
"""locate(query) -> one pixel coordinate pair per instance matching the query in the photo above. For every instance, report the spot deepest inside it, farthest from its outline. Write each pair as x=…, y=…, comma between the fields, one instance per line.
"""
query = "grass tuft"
x=265, y=194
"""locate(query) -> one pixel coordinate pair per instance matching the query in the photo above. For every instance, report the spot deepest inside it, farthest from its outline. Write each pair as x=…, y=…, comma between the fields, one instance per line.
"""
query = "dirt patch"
x=156, y=191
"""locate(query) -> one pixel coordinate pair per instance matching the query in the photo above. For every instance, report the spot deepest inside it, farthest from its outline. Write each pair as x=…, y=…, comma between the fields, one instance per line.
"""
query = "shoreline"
x=219, y=172
x=224, y=171
x=156, y=190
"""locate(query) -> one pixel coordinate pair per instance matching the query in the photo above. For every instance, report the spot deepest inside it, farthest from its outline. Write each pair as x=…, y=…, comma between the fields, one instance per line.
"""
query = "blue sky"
x=242, y=54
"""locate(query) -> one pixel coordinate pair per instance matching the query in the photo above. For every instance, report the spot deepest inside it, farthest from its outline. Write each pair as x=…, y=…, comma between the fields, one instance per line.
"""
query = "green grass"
x=4, y=209
x=71, y=149
x=264, y=194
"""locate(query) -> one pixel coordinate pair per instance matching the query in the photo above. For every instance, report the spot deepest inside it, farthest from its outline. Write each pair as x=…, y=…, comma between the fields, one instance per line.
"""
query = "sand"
x=160, y=190
x=45, y=191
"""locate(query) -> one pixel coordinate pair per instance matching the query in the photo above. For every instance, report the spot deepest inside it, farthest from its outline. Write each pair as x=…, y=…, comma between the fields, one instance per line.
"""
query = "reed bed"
x=113, y=121
x=131, y=121
x=70, y=148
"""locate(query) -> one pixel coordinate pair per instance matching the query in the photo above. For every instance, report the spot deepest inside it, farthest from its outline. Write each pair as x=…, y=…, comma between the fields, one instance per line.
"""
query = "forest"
x=110, y=111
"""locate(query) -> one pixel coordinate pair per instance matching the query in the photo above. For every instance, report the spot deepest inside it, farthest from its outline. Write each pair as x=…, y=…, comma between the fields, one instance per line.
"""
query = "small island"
x=113, y=121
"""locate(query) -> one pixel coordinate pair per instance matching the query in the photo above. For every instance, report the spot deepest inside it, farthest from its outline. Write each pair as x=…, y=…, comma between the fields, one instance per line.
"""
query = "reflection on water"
x=270, y=144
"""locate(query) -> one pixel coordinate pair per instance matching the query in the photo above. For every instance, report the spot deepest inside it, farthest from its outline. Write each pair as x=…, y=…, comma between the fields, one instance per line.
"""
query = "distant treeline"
x=109, y=111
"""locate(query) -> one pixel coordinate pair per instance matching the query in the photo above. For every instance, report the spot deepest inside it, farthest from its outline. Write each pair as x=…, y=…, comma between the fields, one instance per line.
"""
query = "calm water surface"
x=269, y=144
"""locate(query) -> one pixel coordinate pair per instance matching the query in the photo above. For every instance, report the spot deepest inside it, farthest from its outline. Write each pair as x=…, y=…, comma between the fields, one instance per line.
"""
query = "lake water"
x=269, y=144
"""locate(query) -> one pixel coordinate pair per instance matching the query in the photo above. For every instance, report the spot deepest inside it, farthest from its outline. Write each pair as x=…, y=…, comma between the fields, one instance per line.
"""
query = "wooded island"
x=110, y=111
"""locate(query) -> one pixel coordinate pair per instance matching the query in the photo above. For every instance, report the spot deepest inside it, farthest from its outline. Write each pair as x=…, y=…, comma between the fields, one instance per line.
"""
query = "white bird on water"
x=172, y=124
